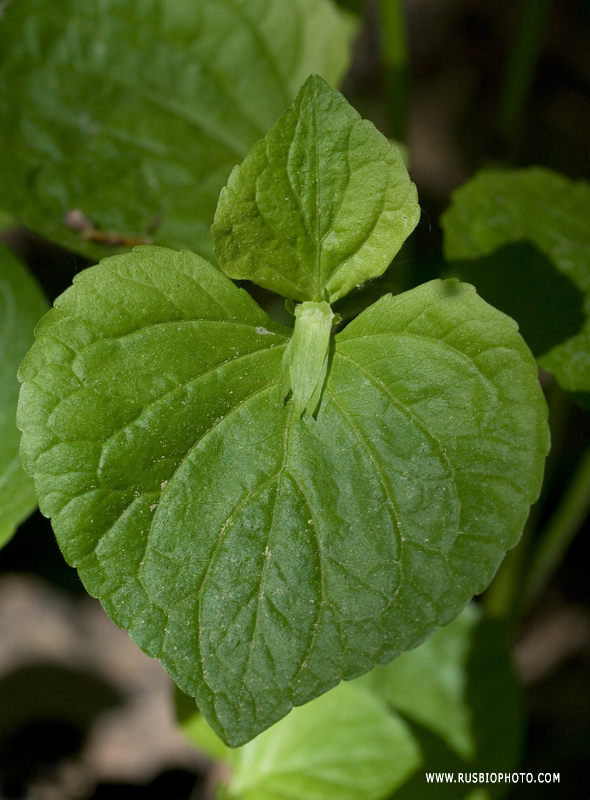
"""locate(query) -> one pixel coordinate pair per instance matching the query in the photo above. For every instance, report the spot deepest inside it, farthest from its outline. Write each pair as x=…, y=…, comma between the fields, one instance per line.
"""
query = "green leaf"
x=462, y=702
x=345, y=745
x=7, y=221
x=263, y=556
x=460, y=686
x=319, y=206
x=462, y=712
x=429, y=684
x=134, y=113
x=550, y=211
x=21, y=305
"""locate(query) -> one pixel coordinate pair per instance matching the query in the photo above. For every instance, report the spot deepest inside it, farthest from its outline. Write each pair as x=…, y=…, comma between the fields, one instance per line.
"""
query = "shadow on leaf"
x=523, y=283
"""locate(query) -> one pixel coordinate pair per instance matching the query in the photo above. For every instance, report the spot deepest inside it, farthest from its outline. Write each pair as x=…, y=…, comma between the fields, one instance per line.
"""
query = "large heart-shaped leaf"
x=135, y=112
x=21, y=305
x=261, y=555
x=319, y=206
x=552, y=212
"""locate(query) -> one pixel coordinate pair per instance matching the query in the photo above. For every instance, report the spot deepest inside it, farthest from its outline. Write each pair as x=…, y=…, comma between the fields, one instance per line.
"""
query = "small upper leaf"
x=320, y=205
x=264, y=556
x=546, y=209
x=131, y=115
x=21, y=306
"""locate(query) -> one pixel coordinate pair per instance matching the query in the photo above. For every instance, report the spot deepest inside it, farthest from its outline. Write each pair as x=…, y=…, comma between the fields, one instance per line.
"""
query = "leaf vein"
x=260, y=592
x=394, y=512
x=380, y=386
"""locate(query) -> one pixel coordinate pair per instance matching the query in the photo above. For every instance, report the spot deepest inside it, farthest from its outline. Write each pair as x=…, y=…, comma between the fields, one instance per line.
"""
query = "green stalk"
x=394, y=55
x=504, y=597
x=521, y=64
x=560, y=530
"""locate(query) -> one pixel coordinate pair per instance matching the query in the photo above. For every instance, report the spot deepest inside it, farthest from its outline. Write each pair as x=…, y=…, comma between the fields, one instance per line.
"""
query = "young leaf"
x=264, y=556
x=21, y=305
x=120, y=122
x=320, y=205
x=551, y=212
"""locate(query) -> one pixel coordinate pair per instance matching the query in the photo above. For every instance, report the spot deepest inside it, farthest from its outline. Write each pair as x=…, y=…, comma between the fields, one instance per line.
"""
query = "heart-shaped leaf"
x=21, y=306
x=121, y=120
x=261, y=555
x=319, y=206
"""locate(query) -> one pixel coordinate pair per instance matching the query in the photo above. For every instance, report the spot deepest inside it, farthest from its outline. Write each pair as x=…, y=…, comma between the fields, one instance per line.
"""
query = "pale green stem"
x=561, y=529
x=504, y=597
x=394, y=54
x=522, y=63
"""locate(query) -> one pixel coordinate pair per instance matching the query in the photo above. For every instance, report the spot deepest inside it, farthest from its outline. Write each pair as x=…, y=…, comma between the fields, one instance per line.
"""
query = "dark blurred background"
x=459, y=119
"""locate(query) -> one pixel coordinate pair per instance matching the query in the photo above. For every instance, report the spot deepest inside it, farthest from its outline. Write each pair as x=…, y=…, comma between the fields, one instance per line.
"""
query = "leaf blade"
x=320, y=205
x=22, y=303
x=164, y=98
x=452, y=704
x=535, y=204
x=264, y=557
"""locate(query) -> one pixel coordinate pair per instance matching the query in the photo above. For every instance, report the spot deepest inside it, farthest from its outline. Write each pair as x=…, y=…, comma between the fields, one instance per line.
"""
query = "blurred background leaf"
x=539, y=206
x=121, y=121
x=22, y=304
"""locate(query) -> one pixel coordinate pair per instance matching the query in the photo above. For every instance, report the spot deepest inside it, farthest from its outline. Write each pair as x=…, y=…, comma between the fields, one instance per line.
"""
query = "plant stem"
x=394, y=54
x=521, y=64
x=560, y=530
x=504, y=598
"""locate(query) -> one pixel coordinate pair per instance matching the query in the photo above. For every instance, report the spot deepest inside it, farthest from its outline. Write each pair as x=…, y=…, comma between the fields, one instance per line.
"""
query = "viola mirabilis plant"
x=270, y=511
